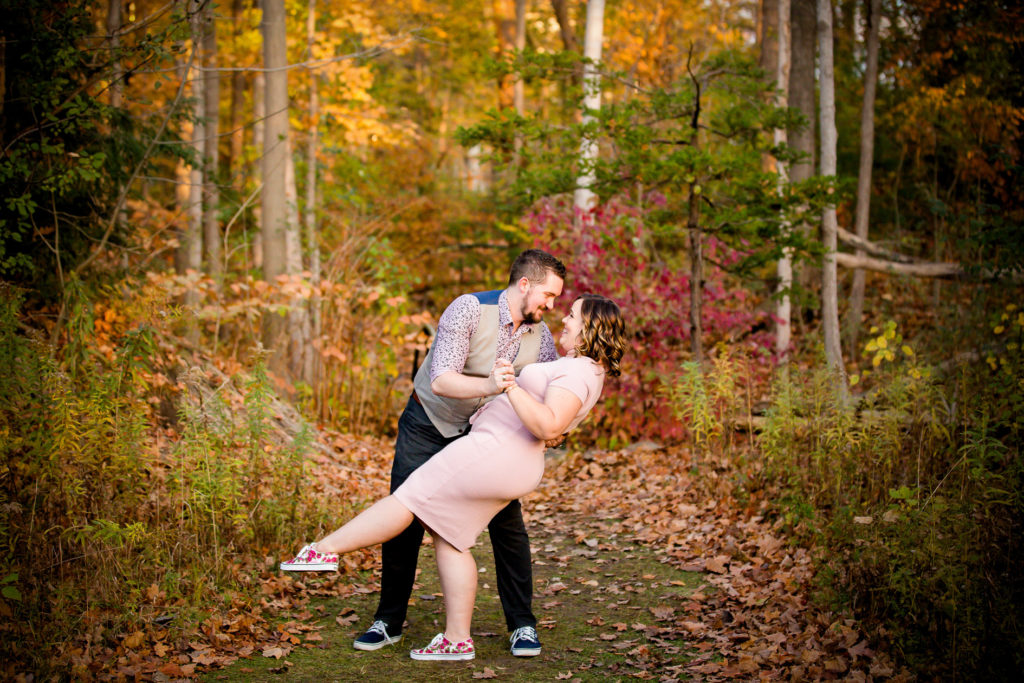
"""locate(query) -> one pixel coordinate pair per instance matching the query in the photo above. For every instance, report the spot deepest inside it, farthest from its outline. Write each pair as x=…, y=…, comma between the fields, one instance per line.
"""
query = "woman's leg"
x=380, y=522
x=458, y=581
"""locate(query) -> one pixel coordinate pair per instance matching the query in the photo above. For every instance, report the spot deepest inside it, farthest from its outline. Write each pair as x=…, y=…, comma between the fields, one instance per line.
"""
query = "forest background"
x=228, y=228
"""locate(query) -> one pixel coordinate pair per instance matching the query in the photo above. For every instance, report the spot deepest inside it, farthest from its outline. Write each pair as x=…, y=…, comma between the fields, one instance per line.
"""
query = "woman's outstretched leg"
x=380, y=522
x=457, y=570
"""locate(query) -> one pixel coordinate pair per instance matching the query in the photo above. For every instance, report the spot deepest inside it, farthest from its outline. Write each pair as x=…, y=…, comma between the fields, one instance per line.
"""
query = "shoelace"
x=381, y=628
x=436, y=644
x=526, y=632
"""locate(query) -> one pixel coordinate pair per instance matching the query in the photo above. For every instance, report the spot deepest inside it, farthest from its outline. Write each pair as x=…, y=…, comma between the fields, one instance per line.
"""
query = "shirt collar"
x=505, y=314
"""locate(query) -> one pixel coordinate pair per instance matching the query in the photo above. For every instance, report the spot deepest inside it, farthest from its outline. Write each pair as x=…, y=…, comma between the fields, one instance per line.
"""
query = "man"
x=453, y=382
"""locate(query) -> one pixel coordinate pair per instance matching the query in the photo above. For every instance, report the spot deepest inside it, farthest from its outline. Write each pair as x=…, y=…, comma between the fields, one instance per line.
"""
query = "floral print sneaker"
x=310, y=559
x=442, y=649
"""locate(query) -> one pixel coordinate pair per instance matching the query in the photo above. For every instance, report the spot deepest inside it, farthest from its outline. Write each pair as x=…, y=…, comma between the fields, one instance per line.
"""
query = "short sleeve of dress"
x=577, y=377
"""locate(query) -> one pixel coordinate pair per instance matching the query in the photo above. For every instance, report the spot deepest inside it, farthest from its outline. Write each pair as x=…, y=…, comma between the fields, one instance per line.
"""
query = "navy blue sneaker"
x=376, y=637
x=525, y=642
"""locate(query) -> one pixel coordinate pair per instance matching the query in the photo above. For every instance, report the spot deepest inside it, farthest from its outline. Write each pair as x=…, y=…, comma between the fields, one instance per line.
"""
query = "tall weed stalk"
x=707, y=399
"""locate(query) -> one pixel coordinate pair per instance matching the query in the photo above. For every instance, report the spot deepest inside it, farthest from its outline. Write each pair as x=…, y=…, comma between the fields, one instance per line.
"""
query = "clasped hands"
x=504, y=377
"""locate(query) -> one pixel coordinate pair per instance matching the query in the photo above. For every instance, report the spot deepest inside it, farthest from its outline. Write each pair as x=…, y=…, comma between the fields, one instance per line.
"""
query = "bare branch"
x=853, y=240
x=947, y=271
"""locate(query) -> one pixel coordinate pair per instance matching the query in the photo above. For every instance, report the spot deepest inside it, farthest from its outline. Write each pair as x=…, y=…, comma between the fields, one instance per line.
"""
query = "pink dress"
x=459, y=490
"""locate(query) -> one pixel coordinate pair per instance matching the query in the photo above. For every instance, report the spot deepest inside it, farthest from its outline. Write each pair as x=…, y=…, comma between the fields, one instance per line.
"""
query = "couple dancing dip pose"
x=491, y=391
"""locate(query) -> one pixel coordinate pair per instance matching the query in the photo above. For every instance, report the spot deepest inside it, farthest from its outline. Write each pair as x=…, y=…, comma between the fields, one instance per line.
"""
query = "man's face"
x=540, y=298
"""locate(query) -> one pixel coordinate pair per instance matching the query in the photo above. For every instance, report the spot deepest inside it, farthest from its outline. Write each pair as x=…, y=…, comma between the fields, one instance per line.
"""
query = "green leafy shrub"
x=915, y=496
x=100, y=503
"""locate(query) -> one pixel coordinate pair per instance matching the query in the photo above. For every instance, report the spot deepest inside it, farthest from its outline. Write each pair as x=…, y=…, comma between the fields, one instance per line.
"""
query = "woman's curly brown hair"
x=603, y=335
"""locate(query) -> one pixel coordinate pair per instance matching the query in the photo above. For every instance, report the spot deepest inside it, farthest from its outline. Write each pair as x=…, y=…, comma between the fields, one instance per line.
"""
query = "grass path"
x=643, y=570
x=596, y=602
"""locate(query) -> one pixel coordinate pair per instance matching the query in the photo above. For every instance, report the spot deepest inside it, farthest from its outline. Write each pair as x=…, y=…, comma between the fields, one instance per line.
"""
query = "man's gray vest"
x=451, y=415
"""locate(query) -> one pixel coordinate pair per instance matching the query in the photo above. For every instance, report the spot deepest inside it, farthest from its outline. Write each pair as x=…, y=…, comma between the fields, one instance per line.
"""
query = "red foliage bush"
x=610, y=253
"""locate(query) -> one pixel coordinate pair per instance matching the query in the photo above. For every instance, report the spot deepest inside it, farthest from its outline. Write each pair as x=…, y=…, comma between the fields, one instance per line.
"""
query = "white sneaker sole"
x=525, y=652
x=285, y=567
x=371, y=647
x=442, y=658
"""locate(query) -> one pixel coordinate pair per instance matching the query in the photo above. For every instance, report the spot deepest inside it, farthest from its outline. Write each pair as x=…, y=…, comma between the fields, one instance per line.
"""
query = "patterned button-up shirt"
x=458, y=324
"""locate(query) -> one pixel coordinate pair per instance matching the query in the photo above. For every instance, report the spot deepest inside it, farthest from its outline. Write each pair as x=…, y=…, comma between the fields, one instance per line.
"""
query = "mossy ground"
x=598, y=606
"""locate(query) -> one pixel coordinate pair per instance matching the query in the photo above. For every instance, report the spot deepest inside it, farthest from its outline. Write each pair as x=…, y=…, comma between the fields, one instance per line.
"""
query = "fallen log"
x=894, y=263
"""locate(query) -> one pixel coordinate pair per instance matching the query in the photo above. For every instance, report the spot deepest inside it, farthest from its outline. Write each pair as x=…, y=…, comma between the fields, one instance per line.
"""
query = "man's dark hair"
x=535, y=265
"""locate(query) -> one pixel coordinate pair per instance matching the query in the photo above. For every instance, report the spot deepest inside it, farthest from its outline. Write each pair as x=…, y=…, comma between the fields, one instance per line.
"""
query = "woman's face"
x=572, y=325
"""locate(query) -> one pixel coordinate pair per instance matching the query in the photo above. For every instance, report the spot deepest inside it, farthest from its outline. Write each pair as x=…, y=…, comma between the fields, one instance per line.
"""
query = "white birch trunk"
x=583, y=198
x=784, y=268
x=475, y=180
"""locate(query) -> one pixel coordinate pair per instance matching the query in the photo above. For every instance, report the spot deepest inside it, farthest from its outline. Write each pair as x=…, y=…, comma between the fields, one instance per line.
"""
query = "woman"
x=456, y=493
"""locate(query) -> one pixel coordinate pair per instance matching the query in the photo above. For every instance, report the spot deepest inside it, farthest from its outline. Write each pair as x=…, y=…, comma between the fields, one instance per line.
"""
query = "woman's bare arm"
x=549, y=419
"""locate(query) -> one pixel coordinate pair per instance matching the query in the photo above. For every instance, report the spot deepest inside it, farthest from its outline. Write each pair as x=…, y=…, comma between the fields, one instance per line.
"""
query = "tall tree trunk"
x=519, y=94
x=238, y=86
x=583, y=198
x=804, y=28
x=211, y=189
x=188, y=255
x=114, y=21
x=696, y=237
x=192, y=245
x=561, y=9
x=767, y=34
x=695, y=234
x=194, y=239
x=518, y=88
x=299, y=340
x=311, y=369
x=803, y=37
x=274, y=198
x=803, y=41
x=867, y=152
x=784, y=268
x=259, y=113
x=504, y=27
x=829, y=224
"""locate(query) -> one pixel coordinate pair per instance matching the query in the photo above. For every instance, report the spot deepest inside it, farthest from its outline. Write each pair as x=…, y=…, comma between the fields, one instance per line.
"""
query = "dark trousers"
x=418, y=440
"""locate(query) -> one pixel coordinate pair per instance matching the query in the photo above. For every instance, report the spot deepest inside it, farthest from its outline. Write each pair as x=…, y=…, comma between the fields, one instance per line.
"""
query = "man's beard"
x=532, y=317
